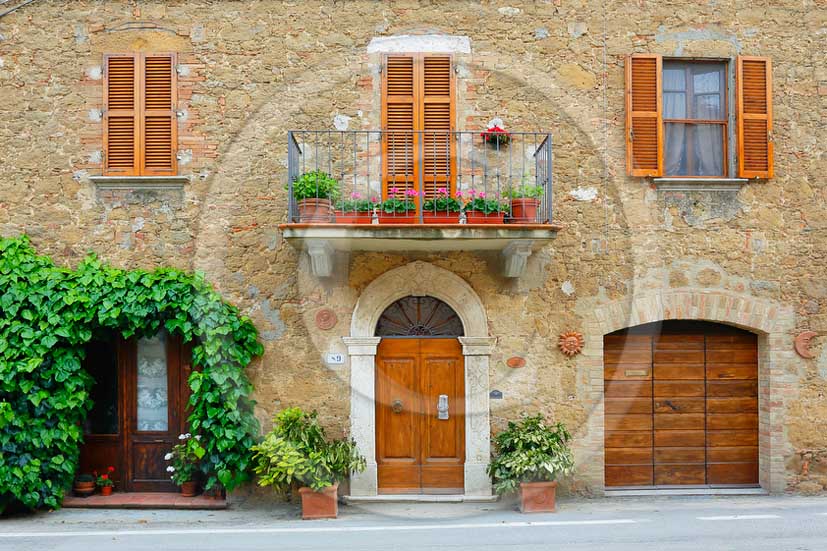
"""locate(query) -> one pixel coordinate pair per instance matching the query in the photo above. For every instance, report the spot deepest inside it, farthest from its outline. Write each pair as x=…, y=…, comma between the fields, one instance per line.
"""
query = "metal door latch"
x=442, y=407
x=396, y=406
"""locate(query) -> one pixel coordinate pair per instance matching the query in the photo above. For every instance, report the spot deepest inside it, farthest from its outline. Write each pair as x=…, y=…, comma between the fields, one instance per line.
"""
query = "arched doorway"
x=420, y=398
x=681, y=406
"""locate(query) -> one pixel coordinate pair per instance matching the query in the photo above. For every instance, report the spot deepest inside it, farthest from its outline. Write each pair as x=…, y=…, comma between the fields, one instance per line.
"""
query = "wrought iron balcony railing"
x=419, y=177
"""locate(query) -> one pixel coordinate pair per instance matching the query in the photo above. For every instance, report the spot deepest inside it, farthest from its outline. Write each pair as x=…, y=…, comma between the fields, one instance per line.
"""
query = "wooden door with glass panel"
x=140, y=395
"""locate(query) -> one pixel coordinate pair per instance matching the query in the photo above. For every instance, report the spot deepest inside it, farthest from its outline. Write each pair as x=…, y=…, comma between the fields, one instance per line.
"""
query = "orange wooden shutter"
x=159, y=120
x=644, y=115
x=399, y=113
x=437, y=123
x=754, y=99
x=120, y=121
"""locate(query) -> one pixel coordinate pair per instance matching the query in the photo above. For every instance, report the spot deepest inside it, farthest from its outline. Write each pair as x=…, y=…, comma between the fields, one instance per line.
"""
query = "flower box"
x=409, y=217
x=477, y=217
x=321, y=504
x=352, y=217
x=440, y=217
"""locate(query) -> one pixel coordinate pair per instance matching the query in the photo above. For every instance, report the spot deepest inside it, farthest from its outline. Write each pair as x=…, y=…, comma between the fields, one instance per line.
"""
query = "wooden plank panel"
x=628, y=422
x=717, y=372
x=679, y=372
x=629, y=475
x=682, y=405
x=732, y=473
x=629, y=439
x=732, y=405
x=732, y=355
x=682, y=356
x=668, y=475
x=627, y=372
x=736, y=421
x=680, y=455
x=727, y=438
x=723, y=389
x=627, y=355
x=623, y=389
x=680, y=421
x=673, y=389
x=629, y=456
x=735, y=454
x=679, y=438
x=619, y=406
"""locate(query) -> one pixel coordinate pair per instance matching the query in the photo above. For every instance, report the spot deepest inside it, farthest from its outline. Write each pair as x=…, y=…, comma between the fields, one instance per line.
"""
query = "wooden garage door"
x=681, y=405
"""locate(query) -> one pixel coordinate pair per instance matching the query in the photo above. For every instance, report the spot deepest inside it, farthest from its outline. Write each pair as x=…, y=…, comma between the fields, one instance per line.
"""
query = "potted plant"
x=84, y=485
x=314, y=192
x=104, y=481
x=398, y=210
x=442, y=208
x=525, y=200
x=354, y=210
x=496, y=136
x=184, y=459
x=297, y=452
x=481, y=209
x=531, y=455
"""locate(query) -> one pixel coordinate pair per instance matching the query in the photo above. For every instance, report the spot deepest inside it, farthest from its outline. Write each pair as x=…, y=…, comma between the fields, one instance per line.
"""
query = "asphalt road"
x=708, y=524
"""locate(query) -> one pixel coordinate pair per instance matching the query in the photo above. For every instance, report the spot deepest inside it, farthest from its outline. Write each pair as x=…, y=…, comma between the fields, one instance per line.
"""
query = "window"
x=694, y=118
x=417, y=119
x=678, y=112
x=139, y=123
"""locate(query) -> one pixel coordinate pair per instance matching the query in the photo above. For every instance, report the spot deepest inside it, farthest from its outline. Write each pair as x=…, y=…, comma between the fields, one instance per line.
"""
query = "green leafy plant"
x=530, y=451
x=85, y=477
x=399, y=202
x=356, y=204
x=297, y=451
x=185, y=458
x=442, y=202
x=105, y=479
x=480, y=202
x=315, y=184
x=48, y=313
x=526, y=192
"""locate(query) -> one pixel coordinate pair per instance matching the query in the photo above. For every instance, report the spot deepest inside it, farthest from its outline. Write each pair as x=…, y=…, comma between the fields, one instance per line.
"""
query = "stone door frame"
x=773, y=323
x=420, y=279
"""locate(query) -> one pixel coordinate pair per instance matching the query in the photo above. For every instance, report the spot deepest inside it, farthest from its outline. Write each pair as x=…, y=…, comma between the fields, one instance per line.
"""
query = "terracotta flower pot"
x=189, y=488
x=315, y=210
x=352, y=217
x=524, y=211
x=477, y=217
x=538, y=497
x=409, y=217
x=106, y=490
x=321, y=504
x=84, y=489
x=440, y=217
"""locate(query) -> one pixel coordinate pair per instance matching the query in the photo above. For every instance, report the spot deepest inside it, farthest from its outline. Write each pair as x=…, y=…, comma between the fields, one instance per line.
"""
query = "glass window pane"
x=102, y=365
x=693, y=149
x=693, y=90
x=153, y=413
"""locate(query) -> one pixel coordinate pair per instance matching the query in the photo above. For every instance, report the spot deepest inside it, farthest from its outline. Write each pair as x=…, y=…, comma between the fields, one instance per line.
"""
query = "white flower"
x=198, y=437
x=168, y=456
x=188, y=435
x=170, y=469
x=182, y=437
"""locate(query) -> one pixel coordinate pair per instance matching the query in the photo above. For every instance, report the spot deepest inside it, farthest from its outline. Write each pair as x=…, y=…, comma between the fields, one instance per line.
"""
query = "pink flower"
x=411, y=193
x=374, y=200
x=355, y=195
x=442, y=191
x=482, y=195
x=471, y=193
x=458, y=194
x=393, y=190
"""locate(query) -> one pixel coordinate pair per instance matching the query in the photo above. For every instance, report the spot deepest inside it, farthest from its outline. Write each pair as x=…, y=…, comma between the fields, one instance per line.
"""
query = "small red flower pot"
x=538, y=497
x=189, y=488
x=321, y=504
x=315, y=211
x=476, y=217
x=106, y=490
x=440, y=217
x=352, y=217
x=394, y=218
x=524, y=211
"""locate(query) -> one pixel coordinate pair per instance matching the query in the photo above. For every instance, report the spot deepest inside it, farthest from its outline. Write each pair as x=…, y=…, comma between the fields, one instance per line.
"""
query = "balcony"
x=419, y=191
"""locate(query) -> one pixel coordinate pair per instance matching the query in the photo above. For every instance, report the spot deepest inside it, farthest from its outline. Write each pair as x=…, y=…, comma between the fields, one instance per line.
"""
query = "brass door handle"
x=396, y=406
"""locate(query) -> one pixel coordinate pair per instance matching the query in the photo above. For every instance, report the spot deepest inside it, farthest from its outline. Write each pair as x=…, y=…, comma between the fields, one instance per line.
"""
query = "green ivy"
x=47, y=315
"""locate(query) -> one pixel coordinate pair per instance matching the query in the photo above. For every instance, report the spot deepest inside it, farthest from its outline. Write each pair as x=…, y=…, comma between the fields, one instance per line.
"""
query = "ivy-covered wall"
x=48, y=313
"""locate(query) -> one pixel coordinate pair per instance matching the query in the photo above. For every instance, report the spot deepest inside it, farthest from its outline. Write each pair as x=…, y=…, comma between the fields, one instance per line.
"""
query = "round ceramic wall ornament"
x=571, y=343
x=802, y=344
x=326, y=319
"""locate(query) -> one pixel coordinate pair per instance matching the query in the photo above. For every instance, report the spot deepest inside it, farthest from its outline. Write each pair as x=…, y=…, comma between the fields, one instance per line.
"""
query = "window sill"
x=139, y=182
x=699, y=184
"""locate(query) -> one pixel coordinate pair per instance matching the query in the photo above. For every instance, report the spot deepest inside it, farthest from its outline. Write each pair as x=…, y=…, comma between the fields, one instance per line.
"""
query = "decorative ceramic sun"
x=571, y=343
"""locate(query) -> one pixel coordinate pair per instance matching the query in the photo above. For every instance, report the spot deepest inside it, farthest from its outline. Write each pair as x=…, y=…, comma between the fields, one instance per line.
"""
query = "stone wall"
x=250, y=71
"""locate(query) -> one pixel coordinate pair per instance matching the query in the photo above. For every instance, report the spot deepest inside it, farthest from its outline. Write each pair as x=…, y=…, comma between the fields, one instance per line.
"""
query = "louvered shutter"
x=644, y=115
x=159, y=120
x=120, y=120
x=754, y=100
x=437, y=117
x=399, y=113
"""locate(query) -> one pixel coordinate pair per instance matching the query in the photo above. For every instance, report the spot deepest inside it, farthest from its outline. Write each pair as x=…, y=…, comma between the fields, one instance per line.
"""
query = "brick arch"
x=770, y=320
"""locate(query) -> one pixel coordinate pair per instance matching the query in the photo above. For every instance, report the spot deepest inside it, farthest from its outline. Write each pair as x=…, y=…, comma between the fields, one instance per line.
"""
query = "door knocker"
x=396, y=406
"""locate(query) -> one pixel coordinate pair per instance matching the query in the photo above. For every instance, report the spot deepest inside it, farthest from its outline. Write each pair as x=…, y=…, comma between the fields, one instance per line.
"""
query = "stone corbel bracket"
x=515, y=257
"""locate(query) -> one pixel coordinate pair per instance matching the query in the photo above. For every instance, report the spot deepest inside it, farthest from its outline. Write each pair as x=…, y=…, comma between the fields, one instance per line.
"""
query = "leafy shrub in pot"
x=314, y=192
x=530, y=456
x=525, y=200
x=297, y=451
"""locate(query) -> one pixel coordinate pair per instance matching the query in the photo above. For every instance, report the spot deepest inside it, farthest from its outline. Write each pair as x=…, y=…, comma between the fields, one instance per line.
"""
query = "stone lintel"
x=361, y=346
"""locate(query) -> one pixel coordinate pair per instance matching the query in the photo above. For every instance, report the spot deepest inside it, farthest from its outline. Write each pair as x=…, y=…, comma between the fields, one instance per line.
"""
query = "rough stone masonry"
x=250, y=71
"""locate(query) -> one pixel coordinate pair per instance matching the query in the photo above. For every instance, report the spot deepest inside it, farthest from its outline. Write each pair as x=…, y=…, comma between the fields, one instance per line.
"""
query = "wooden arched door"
x=420, y=399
